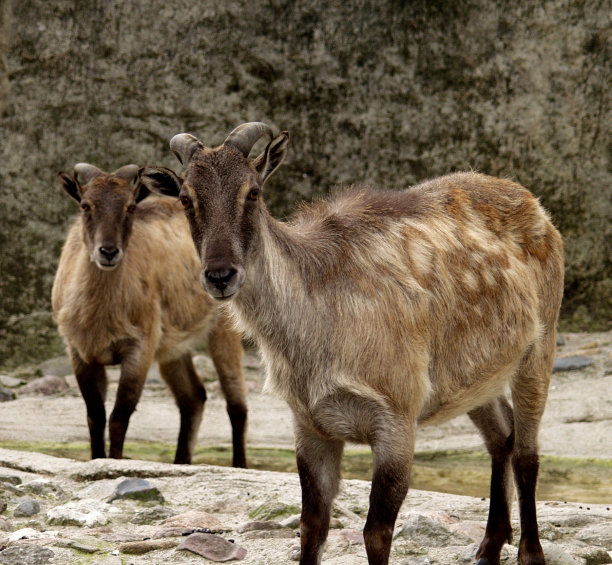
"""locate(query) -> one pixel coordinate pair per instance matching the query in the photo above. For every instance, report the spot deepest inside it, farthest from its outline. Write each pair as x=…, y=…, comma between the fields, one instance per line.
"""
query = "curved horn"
x=184, y=145
x=245, y=136
x=127, y=172
x=87, y=171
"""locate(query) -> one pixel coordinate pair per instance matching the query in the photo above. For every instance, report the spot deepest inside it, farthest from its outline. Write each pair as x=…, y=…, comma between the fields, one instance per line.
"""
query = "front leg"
x=225, y=347
x=135, y=364
x=318, y=462
x=91, y=378
x=392, y=450
x=362, y=418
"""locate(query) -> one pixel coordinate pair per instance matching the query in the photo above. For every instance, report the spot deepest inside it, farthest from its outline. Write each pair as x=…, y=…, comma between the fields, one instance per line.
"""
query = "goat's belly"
x=174, y=342
x=448, y=405
x=111, y=353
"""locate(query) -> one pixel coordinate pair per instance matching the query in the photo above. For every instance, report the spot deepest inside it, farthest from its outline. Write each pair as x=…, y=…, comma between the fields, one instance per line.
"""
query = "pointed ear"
x=140, y=192
x=160, y=180
x=272, y=156
x=71, y=185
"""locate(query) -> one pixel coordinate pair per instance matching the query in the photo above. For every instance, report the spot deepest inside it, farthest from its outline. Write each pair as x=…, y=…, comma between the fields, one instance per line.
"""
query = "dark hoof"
x=483, y=561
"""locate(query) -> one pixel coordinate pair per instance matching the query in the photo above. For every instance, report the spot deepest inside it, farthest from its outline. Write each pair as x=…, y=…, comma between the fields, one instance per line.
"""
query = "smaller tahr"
x=127, y=292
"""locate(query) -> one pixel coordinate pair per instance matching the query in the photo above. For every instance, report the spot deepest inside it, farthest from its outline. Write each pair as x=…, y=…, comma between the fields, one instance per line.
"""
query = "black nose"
x=220, y=277
x=109, y=252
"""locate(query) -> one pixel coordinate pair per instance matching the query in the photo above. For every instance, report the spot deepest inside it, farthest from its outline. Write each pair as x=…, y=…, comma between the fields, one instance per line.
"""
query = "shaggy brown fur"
x=133, y=304
x=378, y=311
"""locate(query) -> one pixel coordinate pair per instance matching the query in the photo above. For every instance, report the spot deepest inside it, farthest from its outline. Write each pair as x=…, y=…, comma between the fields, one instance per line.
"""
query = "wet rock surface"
x=206, y=516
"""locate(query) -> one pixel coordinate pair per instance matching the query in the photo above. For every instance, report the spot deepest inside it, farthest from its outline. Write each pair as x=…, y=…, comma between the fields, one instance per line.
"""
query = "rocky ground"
x=109, y=512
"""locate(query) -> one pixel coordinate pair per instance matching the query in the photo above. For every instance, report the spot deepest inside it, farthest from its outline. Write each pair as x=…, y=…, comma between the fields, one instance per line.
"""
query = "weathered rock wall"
x=5, y=14
x=384, y=92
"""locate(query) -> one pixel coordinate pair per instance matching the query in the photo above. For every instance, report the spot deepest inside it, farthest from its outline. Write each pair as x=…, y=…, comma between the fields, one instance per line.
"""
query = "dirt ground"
x=577, y=422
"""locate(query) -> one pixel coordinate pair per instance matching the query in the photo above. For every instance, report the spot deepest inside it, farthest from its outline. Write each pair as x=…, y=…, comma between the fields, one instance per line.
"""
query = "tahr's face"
x=221, y=194
x=108, y=204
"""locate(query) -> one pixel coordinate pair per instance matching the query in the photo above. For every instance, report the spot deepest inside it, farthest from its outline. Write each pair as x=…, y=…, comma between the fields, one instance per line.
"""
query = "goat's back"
x=436, y=292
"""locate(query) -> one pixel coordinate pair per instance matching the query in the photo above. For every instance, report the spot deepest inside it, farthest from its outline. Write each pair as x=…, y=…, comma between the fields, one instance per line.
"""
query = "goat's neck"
x=274, y=283
x=280, y=307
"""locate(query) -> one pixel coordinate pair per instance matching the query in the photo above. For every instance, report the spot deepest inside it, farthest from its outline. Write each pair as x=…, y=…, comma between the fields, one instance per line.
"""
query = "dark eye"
x=131, y=208
x=253, y=194
x=85, y=207
x=185, y=202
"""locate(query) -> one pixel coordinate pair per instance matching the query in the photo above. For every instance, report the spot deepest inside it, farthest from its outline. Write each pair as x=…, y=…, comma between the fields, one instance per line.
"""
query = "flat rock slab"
x=574, y=363
x=432, y=527
x=146, y=546
x=187, y=523
x=212, y=547
x=27, y=554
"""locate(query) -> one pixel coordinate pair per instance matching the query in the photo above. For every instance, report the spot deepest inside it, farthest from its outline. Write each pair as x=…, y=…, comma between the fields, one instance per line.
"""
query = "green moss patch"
x=457, y=472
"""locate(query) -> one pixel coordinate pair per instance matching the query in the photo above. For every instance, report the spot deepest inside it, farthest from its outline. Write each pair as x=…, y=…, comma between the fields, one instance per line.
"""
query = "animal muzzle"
x=222, y=281
x=107, y=257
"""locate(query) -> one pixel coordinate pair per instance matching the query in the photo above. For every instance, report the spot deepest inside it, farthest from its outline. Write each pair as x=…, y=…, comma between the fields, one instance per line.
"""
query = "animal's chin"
x=221, y=296
x=106, y=266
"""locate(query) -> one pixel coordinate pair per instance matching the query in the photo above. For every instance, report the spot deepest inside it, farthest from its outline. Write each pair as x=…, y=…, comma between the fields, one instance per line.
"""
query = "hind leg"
x=190, y=396
x=495, y=422
x=529, y=392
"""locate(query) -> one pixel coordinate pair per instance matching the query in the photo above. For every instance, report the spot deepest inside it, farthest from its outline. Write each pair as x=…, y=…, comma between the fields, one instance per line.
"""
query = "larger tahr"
x=376, y=311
